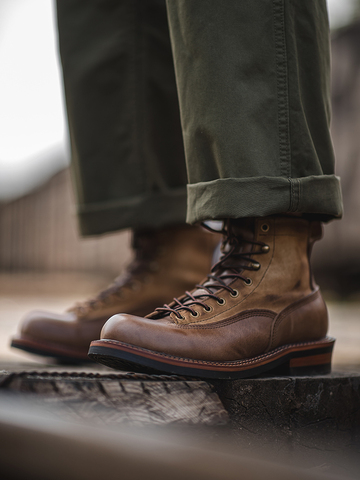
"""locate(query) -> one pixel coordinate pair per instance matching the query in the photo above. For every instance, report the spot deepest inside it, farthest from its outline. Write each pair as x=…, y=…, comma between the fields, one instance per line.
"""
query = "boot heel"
x=310, y=370
x=316, y=362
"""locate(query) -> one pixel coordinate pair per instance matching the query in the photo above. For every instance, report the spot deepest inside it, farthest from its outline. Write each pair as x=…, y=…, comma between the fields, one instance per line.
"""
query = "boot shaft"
x=284, y=274
x=264, y=265
x=184, y=253
x=166, y=262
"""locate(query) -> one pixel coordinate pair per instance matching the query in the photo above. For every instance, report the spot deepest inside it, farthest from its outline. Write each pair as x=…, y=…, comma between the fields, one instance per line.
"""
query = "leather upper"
x=273, y=305
x=167, y=262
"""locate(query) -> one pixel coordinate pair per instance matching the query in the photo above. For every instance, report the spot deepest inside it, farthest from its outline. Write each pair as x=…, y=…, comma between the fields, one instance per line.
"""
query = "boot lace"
x=231, y=266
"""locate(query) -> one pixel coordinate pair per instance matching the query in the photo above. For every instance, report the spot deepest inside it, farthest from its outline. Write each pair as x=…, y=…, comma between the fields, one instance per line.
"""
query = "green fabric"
x=253, y=85
x=127, y=150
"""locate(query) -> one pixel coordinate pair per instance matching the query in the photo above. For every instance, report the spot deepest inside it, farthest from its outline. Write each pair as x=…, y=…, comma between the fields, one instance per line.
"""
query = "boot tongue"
x=241, y=232
x=145, y=243
x=239, y=237
x=242, y=227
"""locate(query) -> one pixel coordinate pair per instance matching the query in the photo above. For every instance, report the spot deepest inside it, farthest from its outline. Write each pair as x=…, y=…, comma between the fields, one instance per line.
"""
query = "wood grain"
x=122, y=399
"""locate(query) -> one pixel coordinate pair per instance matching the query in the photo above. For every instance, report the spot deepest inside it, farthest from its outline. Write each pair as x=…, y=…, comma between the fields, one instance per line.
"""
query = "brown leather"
x=280, y=305
x=166, y=262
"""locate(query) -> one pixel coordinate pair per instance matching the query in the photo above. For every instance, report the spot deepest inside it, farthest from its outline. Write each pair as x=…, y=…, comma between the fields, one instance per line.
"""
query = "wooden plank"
x=310, y=420
x=318, y=417
x=38, y=446
x=123, y=398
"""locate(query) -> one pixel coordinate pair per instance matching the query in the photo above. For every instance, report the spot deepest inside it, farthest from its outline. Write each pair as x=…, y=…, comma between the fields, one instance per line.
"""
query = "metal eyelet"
x=193, y=315
x=234, y=293
x=221, y=302
x=265, y=248
x=265, y=227
x=256, y=266
x=248, y=282
x=209, y=309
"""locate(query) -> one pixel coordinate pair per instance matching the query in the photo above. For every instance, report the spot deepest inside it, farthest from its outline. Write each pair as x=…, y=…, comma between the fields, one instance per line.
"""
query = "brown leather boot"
x=257, y=310
x=166, y=262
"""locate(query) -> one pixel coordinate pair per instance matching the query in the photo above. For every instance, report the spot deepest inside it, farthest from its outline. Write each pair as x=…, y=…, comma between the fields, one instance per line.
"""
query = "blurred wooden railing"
x=39, y=232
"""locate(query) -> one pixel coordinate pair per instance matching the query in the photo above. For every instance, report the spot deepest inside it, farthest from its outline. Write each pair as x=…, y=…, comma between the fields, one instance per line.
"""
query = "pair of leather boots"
x=257, y=311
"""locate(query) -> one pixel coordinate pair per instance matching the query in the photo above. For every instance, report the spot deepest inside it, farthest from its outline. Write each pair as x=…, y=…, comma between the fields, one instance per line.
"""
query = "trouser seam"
x=295, y=186
x=282, y=88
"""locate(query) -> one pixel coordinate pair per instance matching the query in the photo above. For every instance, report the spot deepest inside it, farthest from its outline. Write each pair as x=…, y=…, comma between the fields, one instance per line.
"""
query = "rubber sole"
x=308, y=358
x=59, y=353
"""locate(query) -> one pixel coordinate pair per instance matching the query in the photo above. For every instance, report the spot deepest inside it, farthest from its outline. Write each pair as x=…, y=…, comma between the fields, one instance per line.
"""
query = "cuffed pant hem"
x=143, y=211
x=262, y=196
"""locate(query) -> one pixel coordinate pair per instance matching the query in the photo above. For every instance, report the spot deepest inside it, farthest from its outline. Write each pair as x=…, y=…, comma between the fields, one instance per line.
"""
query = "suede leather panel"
x=283, y=278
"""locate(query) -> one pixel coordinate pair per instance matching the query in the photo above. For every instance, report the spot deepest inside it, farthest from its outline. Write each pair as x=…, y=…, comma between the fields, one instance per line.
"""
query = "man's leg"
x=253, y=80
x=122, y=104
x=253, y=89
x=128, y=165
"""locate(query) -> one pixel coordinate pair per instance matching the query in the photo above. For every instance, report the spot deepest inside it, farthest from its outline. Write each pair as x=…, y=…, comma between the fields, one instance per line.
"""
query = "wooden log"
x=39, y=446
x=308, y=420
x=317, y=418
x=129, y=399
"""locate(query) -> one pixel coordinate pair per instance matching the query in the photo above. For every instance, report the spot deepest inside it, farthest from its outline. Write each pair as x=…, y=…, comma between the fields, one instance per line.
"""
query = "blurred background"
x=43, y=262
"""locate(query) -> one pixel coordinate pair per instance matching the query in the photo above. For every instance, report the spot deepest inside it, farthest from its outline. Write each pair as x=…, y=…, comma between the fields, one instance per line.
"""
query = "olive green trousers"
x=197, y=110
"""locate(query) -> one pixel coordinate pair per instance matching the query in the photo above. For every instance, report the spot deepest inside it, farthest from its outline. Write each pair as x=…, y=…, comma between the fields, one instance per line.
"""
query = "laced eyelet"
x=221, y=301
x=265, y=227
x=248, y=282
x=193, y=315
x=256, y=266
x=234, y=293
x=265, y=248
x=209, y=309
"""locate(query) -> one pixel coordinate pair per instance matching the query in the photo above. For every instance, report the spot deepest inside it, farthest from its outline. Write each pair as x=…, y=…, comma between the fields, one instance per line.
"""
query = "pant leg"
x=253, y=84
x=127, y=150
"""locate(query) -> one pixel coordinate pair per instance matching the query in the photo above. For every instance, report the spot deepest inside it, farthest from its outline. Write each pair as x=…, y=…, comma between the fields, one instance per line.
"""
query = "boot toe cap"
x=46, y=326
x=124, y=328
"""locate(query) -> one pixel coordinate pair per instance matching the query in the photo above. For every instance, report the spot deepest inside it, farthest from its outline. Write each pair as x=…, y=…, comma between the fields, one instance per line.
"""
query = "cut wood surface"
x=311, y=420
x=129, y=399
